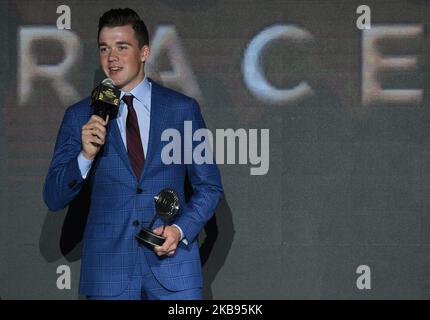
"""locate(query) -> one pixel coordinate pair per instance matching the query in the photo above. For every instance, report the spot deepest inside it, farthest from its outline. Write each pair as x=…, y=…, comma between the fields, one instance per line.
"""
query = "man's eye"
x=102, y=50
x=121, y=48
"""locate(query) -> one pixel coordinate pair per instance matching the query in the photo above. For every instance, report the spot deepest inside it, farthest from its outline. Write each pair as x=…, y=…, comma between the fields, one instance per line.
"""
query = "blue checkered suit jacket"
x=109, y=247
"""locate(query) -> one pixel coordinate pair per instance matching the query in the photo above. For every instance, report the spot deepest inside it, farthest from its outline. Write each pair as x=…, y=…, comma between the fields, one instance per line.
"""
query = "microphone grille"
x=108, y=82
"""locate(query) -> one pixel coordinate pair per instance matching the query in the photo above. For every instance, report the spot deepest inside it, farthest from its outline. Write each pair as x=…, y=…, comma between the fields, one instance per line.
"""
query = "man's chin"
x=118, y=83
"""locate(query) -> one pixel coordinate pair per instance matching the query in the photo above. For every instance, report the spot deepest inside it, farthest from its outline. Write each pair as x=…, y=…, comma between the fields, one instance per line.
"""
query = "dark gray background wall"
x=348, y=184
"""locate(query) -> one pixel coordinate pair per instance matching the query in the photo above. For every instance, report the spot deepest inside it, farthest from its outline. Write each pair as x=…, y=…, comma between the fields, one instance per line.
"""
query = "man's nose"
x=112, y=55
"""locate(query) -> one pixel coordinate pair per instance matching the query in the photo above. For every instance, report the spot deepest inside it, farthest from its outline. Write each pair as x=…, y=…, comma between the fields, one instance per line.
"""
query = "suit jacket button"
x=136, y=223
x=139, y=191
x=72, y=184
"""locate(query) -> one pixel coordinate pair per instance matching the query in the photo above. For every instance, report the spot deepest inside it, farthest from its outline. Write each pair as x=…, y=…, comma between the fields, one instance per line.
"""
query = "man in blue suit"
x=121, y=162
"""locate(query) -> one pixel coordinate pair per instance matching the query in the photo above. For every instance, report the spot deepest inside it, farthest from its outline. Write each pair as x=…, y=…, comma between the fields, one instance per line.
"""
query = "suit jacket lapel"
x=115, y=136
x=157, y=116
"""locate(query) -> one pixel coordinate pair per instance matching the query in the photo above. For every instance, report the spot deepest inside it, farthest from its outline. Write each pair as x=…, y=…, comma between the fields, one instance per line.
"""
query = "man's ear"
x=144, y=53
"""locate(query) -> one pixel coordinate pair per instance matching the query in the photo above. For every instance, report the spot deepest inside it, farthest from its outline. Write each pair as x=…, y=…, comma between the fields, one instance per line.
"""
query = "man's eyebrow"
x=117, y=43
x=123, y=42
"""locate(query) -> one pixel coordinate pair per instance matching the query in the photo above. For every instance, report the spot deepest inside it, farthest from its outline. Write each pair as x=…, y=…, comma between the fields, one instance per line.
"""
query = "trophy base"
x=146, y=236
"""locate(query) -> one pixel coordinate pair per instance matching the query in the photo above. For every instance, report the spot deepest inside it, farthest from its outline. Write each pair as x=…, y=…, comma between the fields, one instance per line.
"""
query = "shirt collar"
x=141, y=92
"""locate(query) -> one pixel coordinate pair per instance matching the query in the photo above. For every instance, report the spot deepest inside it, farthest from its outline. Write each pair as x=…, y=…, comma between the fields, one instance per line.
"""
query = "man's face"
x=120, y=56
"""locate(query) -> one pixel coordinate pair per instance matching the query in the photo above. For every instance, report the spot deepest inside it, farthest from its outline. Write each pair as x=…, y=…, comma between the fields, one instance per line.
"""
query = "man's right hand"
x=93, y=136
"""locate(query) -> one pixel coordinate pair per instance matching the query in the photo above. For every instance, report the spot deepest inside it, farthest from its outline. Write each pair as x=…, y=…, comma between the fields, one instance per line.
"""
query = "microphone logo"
x=105, y=99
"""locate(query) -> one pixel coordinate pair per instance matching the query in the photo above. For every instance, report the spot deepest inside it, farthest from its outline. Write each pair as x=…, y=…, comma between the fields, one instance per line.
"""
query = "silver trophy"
x=166, y=207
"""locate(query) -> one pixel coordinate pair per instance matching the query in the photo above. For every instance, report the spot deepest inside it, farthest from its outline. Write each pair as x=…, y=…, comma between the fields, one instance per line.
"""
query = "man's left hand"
x=172, y=235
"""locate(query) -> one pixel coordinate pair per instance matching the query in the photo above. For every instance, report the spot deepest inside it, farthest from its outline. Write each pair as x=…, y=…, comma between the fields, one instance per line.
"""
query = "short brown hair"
x=122, y=17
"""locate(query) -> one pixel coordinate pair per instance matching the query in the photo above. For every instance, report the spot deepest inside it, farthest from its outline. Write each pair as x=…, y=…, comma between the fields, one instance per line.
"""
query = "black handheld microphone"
x=105, y=99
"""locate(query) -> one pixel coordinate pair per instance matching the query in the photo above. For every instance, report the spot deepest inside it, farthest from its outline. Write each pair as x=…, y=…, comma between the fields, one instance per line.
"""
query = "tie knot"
x=128, y=99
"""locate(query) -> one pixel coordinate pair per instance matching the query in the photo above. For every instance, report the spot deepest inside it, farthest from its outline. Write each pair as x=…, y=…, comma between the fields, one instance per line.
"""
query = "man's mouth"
x=114, y=69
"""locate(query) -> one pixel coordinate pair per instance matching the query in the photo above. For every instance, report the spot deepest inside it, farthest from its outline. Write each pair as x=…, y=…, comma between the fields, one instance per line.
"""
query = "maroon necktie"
x=134, y=143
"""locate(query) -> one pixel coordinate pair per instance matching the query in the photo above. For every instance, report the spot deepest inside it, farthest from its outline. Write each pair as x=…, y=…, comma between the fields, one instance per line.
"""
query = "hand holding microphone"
x=93, y=136
x=105, y=101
